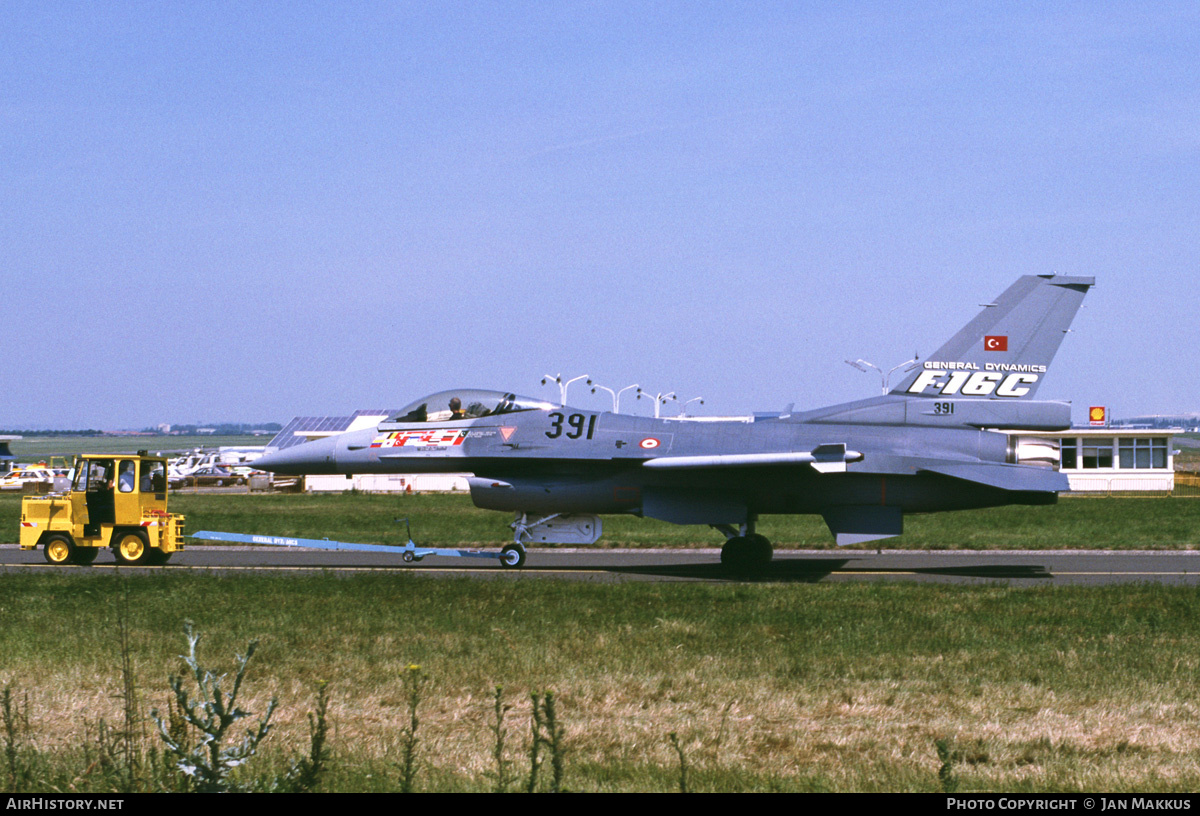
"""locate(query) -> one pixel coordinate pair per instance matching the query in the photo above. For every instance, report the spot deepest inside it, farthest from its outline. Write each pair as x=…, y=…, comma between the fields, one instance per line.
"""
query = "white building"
x=388, y=483
x=1116, y=460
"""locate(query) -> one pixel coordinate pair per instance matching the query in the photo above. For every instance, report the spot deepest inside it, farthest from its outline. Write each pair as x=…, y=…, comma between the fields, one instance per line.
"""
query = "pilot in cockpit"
x=456, y=409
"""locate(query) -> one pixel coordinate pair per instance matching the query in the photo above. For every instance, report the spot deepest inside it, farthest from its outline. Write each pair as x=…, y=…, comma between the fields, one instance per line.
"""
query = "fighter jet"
x=948, y=437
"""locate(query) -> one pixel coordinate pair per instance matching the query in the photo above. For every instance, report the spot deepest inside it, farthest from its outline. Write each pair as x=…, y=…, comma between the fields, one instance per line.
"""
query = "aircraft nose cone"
x=309, y=457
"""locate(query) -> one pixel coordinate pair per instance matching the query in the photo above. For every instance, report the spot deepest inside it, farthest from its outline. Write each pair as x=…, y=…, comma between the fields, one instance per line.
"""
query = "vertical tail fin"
x=1006, y=350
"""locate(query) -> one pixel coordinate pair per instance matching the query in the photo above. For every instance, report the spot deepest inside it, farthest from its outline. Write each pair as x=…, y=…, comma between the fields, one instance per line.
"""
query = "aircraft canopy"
x=467, y=403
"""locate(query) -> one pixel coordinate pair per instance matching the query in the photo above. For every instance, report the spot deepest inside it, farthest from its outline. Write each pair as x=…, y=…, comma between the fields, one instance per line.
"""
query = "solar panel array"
x=287, y=437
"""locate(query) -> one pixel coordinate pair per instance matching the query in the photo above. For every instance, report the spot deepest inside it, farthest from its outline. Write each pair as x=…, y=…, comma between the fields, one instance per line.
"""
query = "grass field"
x=767, y=687
x=1188, y=457
x=35, y=448
x=451, y=520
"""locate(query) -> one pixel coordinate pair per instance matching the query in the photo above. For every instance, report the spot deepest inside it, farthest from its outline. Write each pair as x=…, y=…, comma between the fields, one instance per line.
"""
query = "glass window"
x=1142, y=453
x=466, y=403
x=81, y=478
x=1097, y=453
x=153, y=478
x=125, y=476
x=1070, y=453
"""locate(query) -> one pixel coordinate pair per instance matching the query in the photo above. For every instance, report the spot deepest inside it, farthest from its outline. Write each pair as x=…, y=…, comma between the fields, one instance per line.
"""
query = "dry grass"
x=861, y=736
x=768, y=687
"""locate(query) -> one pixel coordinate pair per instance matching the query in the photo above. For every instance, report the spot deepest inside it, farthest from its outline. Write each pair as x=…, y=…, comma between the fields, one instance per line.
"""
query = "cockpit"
x=467, y=403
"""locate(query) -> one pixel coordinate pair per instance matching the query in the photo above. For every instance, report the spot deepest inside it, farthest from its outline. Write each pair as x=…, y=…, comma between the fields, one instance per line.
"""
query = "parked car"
x=208, y=476
x=18, y=478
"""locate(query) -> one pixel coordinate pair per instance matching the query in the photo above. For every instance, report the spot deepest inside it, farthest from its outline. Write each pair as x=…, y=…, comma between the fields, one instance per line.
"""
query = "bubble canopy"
x=467, y=403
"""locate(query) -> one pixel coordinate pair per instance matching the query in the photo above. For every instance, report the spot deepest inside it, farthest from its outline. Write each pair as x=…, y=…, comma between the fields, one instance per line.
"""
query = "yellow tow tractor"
x=117, y=501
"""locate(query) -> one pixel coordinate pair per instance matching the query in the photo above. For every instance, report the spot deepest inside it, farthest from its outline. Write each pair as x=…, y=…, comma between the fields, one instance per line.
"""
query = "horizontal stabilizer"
x=1004, y=477
x=855, y=524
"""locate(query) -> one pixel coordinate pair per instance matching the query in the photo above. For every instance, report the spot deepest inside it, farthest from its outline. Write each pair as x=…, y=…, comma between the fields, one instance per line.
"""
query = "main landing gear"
x=744, y=550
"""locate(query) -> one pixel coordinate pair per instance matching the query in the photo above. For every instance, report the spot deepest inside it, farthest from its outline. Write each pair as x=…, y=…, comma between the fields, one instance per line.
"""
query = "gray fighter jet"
x=948, y=437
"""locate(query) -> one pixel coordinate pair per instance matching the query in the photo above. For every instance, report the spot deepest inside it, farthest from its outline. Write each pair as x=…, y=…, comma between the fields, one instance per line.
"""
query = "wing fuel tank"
x=827, y=458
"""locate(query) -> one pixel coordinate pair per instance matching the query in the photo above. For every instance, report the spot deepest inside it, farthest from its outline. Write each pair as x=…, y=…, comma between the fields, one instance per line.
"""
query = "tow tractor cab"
x=115, y=501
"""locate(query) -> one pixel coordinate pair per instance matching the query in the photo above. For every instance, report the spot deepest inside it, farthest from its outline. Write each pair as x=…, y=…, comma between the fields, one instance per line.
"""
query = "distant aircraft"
x=948, y=437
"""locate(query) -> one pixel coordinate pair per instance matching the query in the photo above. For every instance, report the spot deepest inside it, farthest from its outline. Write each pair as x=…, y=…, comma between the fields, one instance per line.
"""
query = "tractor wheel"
x=59, y=549
x=131, y=549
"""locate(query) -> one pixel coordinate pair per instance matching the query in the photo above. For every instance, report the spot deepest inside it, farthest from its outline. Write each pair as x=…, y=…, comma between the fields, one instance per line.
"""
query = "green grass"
x=452, y=521
x=769, y=687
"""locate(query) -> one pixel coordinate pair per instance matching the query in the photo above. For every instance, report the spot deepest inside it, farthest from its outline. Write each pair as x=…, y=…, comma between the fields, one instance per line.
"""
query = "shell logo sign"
x=1097, y=415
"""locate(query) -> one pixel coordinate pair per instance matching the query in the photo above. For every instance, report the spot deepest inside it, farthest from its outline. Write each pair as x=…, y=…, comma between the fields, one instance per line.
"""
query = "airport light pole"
x=683, y=409
x=616, y=395
x=884, y=379
x=562, y=386
x=659, y=399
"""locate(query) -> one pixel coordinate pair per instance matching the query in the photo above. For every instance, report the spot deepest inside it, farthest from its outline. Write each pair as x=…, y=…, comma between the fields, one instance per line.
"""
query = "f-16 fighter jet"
x=948, y=437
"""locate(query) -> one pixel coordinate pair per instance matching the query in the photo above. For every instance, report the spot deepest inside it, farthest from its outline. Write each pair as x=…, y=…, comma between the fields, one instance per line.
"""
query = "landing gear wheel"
x=743, y=554
x=59, y=550
x=85, y=555
x=512, y=557
x=760, y=550
x=132, y=549
x=408, y=558
x=733, y=554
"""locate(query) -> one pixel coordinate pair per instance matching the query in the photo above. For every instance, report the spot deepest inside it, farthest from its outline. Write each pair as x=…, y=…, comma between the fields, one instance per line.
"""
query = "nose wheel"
x=512, y=556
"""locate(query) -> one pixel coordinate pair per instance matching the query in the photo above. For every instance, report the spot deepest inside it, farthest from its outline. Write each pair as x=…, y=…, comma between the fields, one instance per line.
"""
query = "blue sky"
x=231, y=211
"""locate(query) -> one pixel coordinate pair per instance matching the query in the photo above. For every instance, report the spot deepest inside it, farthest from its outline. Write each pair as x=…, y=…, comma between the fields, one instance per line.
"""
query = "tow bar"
x=511, y=556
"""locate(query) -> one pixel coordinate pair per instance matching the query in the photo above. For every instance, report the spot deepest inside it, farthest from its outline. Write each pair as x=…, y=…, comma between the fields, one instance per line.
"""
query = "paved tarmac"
x=1016, y=568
